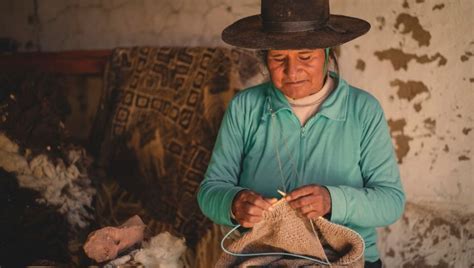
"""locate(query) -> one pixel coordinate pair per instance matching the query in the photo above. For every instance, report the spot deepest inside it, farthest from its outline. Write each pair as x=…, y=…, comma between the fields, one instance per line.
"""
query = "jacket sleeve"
x=381, y=200
x=219, y=186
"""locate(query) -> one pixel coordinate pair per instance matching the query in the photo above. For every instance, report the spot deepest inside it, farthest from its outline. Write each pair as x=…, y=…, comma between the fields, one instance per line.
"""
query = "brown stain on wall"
x=420, y=261
x=430, y=124
x=466, y=130
x=433, y=237
x=381, y=21
x=446, y=148
x=410, y=89
x=397, y=125
x=439, y=7
x=400, y=59
x=466, y=56
x=390, y=253
x=405, y=4
x=463, y=158
x=438, y=222
x=360, y=65
x=417, y=107
x=402, y=146
x=412, y=25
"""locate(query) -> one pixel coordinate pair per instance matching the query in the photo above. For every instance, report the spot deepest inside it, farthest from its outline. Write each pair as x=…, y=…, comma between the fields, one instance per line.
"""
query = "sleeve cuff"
x=338, y=204
x=227, y=205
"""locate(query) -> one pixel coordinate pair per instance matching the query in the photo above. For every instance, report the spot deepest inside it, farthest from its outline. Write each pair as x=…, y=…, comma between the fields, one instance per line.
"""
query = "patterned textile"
x=159, y=117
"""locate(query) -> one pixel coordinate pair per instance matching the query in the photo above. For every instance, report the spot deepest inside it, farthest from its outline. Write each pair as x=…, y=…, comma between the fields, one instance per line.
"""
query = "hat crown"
x=294, y=24
x=273, y=11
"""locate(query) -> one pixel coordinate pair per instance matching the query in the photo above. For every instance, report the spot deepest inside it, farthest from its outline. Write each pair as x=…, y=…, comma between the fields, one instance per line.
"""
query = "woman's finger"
x=259, y=201
x=250, y=221
x=272, y=201
x=302, y=191
x=304, y=201
x=253, y=219
x=251, y=209
x=248, y=207
x=307, y=209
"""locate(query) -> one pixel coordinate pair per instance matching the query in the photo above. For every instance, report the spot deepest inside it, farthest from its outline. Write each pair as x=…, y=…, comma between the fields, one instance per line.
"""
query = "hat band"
x=292, y=26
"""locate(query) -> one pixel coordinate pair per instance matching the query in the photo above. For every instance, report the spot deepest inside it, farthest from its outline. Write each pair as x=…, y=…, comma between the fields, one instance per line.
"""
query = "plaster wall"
x=417, y=60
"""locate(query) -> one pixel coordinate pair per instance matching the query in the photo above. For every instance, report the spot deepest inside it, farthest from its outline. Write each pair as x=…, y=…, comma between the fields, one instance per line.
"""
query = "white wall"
x=417, y=60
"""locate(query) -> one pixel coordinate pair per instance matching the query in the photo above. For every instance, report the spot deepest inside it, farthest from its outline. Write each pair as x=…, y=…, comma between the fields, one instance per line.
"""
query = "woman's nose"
x=292, y=67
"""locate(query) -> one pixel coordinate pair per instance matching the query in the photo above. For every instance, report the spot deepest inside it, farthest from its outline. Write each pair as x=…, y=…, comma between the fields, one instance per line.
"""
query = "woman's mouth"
x=295, y=83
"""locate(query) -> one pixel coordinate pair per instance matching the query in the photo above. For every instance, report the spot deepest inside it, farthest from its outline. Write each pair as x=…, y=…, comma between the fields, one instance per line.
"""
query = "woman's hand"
x=312, y=201
x=248, y=207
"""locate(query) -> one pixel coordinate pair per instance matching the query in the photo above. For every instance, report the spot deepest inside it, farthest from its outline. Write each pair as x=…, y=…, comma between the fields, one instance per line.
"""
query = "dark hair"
x=332, y=59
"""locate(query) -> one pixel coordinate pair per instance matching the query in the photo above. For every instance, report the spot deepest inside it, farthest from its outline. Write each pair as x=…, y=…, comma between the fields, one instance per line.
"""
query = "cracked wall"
x=417, y=60
x=95, y=24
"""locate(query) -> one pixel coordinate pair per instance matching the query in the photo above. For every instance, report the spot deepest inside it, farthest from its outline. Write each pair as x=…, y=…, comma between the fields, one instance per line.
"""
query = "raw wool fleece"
x=283, y=230
x=65, y=187
x=163, y=250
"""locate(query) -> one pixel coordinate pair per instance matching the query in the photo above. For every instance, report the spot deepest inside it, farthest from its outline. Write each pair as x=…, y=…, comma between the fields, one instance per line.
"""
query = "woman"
x=306, y=132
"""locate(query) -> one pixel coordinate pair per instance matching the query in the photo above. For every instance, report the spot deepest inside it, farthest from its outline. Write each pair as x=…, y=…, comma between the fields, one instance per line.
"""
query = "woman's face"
x=297, y=73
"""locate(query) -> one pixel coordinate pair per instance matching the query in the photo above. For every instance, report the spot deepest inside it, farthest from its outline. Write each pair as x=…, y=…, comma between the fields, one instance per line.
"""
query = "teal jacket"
x=346, y=147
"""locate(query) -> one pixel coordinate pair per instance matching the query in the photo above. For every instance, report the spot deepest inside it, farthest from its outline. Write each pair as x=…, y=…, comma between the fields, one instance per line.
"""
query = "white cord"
x=316, y=234
x=277, y=152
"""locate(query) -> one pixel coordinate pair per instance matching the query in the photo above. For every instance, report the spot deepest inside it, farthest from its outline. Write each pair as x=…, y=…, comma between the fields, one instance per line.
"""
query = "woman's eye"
x=279, y=59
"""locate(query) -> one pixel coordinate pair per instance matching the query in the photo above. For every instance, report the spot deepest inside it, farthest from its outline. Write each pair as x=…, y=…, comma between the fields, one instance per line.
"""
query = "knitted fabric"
x=284, y=230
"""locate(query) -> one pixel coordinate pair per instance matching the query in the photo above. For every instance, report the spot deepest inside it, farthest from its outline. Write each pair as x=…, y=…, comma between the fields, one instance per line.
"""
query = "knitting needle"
x=283, y=194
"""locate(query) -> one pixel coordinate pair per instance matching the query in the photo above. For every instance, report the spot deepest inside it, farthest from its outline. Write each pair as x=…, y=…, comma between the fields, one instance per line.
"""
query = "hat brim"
x=248, y=33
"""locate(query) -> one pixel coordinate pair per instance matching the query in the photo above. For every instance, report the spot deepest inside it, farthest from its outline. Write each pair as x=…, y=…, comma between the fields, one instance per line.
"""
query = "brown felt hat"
x=294, y=24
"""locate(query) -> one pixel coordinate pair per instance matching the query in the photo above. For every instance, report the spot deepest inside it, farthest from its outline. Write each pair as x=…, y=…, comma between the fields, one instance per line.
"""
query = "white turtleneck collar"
x=307, y=106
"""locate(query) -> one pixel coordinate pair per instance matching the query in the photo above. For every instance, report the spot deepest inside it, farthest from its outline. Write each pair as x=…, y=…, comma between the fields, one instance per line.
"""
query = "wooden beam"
x=65, y=62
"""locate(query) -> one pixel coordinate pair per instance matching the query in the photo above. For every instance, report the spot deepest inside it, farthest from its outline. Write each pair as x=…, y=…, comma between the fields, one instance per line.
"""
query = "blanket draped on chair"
x=158, y=120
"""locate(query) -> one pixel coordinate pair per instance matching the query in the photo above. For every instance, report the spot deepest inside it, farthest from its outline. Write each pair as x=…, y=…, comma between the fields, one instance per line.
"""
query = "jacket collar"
x=334, y=107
